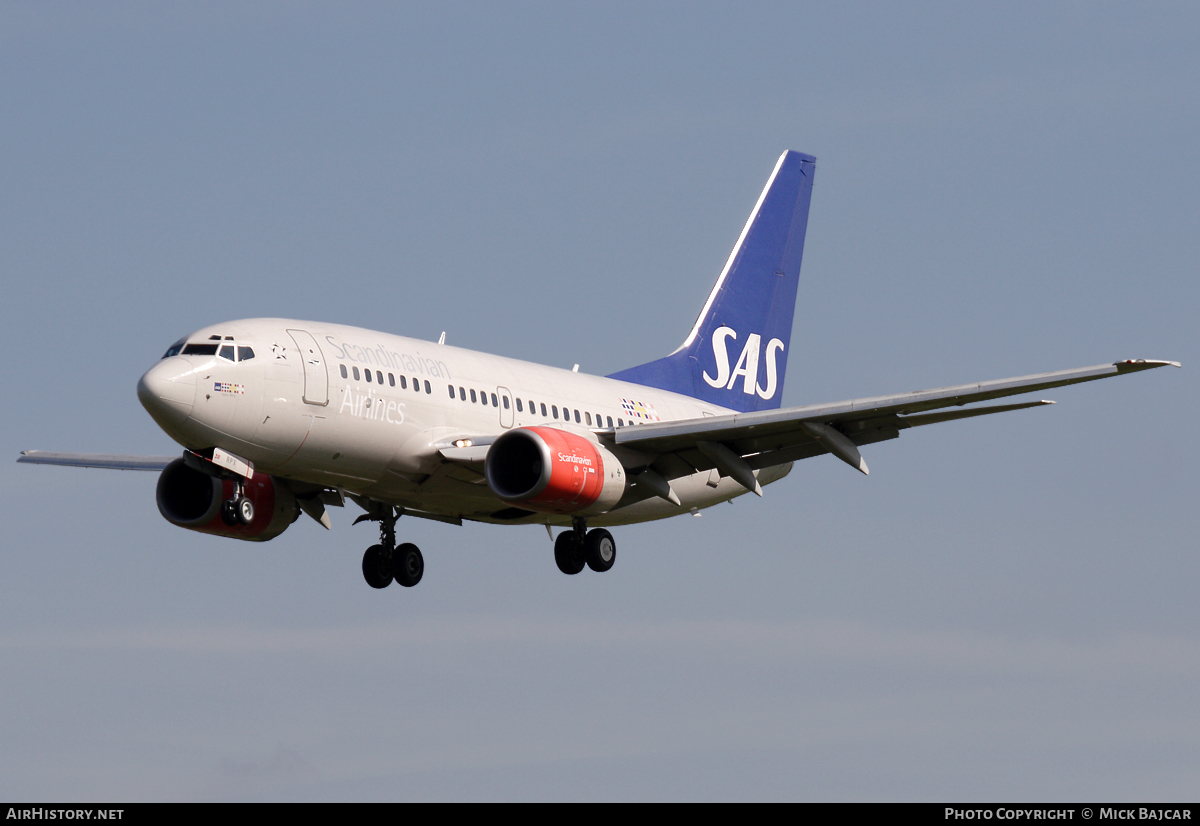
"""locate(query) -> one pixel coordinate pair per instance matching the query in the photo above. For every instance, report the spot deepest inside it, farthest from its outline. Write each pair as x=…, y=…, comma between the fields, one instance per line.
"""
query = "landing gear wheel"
x=229, y=512
x=568, y=553
x=408, y=565
x=377, y=567
x=600, y=550
x=244, y=509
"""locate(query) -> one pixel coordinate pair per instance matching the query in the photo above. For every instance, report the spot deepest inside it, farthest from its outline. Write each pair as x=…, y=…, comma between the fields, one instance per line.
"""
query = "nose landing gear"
x=578, y=547
x=384, y=562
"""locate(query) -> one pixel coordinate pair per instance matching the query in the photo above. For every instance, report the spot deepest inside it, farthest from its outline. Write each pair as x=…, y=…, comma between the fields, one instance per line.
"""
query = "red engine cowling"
x=192, y=500
x=554, y=471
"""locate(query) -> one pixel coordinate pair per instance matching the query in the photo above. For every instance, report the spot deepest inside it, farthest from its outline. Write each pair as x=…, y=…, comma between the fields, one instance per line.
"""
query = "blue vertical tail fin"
x=736, y=354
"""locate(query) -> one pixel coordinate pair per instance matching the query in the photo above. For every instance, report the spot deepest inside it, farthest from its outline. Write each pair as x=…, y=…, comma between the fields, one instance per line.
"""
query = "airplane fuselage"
x=368, y=412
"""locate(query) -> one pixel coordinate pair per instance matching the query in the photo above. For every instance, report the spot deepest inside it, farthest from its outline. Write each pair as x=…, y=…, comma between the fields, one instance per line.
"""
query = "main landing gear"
x=239, y=510
x=386, y=561
x=578, y=547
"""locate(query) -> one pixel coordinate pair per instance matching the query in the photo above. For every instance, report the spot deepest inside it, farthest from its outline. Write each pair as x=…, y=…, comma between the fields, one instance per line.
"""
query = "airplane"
x=279, y=418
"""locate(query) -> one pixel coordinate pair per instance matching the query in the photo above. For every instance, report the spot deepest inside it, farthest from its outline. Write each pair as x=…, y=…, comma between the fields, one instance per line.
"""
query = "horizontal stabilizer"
x=101, y=460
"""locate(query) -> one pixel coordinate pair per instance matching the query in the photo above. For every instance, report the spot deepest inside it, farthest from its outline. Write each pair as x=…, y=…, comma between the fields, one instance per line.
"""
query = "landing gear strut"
x=239, y=510
x=578, y=547
x=384, y=562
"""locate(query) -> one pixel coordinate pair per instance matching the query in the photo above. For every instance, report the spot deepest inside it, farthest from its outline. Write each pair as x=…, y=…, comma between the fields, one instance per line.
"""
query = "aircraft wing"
x=740, y=443
x=100, y=460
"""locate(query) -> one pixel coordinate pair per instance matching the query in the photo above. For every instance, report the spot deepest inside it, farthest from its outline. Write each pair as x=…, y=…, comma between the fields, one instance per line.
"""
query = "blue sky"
x=1005, y=609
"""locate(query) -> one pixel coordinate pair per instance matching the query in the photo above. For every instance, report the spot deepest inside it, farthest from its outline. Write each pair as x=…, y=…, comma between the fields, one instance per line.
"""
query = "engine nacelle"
x=192, y=500
x=554, y=471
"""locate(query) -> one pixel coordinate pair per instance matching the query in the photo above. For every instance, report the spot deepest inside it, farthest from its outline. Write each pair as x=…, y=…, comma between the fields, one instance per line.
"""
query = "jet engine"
x=554, y=471
x=192, y=500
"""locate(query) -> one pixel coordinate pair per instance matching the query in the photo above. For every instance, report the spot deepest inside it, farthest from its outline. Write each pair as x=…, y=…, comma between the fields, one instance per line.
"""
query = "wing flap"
x=950, y=415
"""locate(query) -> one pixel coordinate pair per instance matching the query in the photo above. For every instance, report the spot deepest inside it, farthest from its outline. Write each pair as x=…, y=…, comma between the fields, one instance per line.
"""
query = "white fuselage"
x=302, y=408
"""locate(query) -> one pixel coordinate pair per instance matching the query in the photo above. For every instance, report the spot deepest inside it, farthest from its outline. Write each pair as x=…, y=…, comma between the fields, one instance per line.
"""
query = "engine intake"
x=554, y=471
x=192, y=500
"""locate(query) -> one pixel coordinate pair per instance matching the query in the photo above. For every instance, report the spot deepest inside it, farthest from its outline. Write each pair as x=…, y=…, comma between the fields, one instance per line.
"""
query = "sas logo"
x=226, y=387
x=747, y=363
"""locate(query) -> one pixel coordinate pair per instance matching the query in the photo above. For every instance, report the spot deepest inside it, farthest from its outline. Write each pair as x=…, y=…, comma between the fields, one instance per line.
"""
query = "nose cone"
x=167, y=391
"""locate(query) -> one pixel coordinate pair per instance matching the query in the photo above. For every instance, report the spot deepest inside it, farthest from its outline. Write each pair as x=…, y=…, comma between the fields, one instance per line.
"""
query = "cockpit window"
x=174, y=349
x=200, y=350
x=245, y=353
x=227, y=352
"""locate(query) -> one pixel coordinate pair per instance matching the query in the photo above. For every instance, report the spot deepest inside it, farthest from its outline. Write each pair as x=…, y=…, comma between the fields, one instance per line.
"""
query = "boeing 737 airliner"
x=279, y=417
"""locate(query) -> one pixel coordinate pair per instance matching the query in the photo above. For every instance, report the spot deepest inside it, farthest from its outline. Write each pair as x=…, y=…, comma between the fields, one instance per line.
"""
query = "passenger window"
x=576, y=417
x=379, y=376
x=245, y=353
x=345, y=375
x=588, y=418
x=555, y=409
x=428, y=387
x=473, y=399
x=544, y=410
x=505, y=402
x=610, y=421
x=519, y=410
x=403, y=383
x=368, y=372
x=356, y=374
x=451, y=391
x=416, y=384
x=462, y=394
x=494, y=404
x=391, y=380
x=620, y=423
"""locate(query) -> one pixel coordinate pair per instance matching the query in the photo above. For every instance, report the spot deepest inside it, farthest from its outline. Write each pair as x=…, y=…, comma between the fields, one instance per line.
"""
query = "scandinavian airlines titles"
x=369, y=406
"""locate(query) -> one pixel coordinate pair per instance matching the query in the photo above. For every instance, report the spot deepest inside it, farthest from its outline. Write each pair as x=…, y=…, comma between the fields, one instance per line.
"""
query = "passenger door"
x=316, y=377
